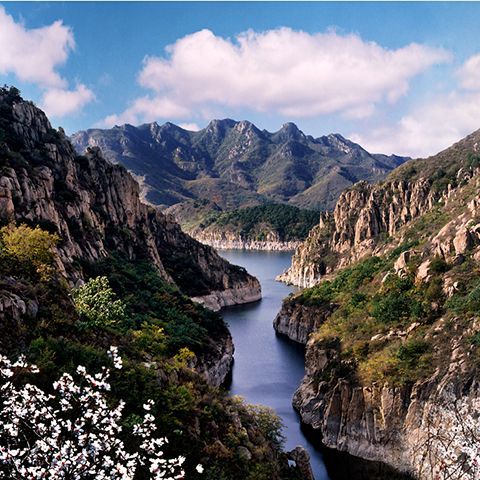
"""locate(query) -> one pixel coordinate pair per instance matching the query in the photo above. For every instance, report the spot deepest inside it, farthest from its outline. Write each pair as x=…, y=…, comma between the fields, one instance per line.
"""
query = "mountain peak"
x=221, y=124
x=290, y=131
x=290, y=126
x=234, y=164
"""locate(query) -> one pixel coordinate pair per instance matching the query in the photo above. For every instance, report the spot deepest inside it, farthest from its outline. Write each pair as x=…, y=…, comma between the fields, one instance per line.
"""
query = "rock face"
x=216, y=367
x=366, y=214
x=424, y=230
x=302, y=459
x=361, y=216
x=95, y=208
x=244, y=293
x=395, y=425
x=230, y=241
x=234, y=164
x=297, y=322
x=269, y=226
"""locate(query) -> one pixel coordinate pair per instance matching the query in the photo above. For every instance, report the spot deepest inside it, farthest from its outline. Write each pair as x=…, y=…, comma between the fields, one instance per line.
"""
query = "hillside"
x=263, y=227
x=84, y=266
x=234, y=164
x=390, y=318
x=95, y=208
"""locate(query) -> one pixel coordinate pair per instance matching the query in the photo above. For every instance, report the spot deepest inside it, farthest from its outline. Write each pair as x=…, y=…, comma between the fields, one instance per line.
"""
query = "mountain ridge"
x=95, y=207
x=235, y=164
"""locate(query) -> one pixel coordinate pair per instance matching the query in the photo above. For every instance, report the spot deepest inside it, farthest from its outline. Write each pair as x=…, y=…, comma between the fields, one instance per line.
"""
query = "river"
x=268, y=368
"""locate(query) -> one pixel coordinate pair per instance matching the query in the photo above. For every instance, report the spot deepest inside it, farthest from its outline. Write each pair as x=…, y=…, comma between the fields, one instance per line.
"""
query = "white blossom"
x=41, y=437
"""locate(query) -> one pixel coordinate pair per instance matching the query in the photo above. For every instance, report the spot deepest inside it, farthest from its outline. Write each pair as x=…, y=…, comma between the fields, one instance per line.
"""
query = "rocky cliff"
x=169, y=345
x=95, y=208
x=297, y=321
x=361, y=216
x=263, y=227
x=231, y=241
x=391, y=322
x=365, y=215
x=415, y=428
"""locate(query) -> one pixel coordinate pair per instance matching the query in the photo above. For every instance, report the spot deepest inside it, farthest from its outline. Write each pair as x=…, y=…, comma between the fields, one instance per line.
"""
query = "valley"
x=218, y=174
x=239, y=240
x=381, y=355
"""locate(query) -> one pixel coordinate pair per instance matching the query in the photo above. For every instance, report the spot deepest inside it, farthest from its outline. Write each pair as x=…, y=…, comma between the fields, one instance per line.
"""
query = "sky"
x=398, y=78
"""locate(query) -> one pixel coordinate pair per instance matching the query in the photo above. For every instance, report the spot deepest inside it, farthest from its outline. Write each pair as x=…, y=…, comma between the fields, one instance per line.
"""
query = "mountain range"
x=235, y=164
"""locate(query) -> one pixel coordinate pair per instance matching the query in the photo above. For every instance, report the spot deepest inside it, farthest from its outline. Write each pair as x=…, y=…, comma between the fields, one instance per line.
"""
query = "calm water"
x=268, y=368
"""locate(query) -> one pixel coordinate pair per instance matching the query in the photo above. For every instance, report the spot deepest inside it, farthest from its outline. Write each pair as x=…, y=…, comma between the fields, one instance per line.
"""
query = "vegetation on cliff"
x=160, y=333
x=367, y=310
x=94, y=206
x=396, y=356
x=129, y=300
x=269, y=222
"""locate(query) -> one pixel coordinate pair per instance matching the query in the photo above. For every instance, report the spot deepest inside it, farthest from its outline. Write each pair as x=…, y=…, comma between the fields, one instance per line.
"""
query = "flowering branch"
x=74, y=433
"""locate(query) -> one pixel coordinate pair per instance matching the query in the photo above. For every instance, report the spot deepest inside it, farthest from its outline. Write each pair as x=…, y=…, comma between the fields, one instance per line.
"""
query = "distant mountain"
x=234, y=164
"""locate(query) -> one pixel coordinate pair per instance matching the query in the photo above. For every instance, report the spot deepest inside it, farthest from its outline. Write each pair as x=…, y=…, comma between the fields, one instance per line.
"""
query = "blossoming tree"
x=74, y=432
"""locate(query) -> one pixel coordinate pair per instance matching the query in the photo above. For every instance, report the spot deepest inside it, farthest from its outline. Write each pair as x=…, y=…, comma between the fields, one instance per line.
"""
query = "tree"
x=32, y=249
x=450, y=446
x=97, y=304
x=74, y=433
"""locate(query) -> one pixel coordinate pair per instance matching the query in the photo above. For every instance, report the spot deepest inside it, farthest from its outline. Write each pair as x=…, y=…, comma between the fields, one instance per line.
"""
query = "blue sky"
x=396, y=77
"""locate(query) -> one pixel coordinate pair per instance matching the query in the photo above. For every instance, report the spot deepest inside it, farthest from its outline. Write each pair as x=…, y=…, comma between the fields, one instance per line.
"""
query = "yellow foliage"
x=183, y=359
x=30, y=246
x=380, y=366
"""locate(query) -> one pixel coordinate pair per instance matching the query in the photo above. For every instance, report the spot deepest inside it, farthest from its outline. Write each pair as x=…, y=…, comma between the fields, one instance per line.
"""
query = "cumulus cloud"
x=59, y=103
x=34, y=56
x=435, y=125
x=293, y=73
x=146, y=109
x=469, y=73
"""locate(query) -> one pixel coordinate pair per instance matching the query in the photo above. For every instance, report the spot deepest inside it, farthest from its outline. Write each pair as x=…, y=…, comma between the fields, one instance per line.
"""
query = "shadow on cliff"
x=343, y=466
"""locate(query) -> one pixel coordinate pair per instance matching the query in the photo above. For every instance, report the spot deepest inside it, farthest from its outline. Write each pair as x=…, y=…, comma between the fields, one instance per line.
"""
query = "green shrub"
x=348, y=280
x=268, y=422
x=410, y=352
x=153, y=304
x=97, y=304
x=291, y=223
x=438, y=265
x=317, y=295
x=434, y=290
x=393, y=307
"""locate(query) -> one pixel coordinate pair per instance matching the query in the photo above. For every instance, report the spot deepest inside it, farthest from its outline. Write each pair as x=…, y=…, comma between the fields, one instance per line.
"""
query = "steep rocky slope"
x=391, y=321
x=174, y=351
x=234, y=164
x=365, y=215
x=95, y=208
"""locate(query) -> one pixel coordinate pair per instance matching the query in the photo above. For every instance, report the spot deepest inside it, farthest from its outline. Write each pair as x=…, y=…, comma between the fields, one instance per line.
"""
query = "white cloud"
x=435, y=125
x=293, y=73
x=192, y=127
x=34, y=55
x=146, y=109
x=469, y=73
x=59, y=103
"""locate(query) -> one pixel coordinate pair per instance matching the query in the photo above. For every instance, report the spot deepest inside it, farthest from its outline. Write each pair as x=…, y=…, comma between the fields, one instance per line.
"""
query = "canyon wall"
x=421, y=231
